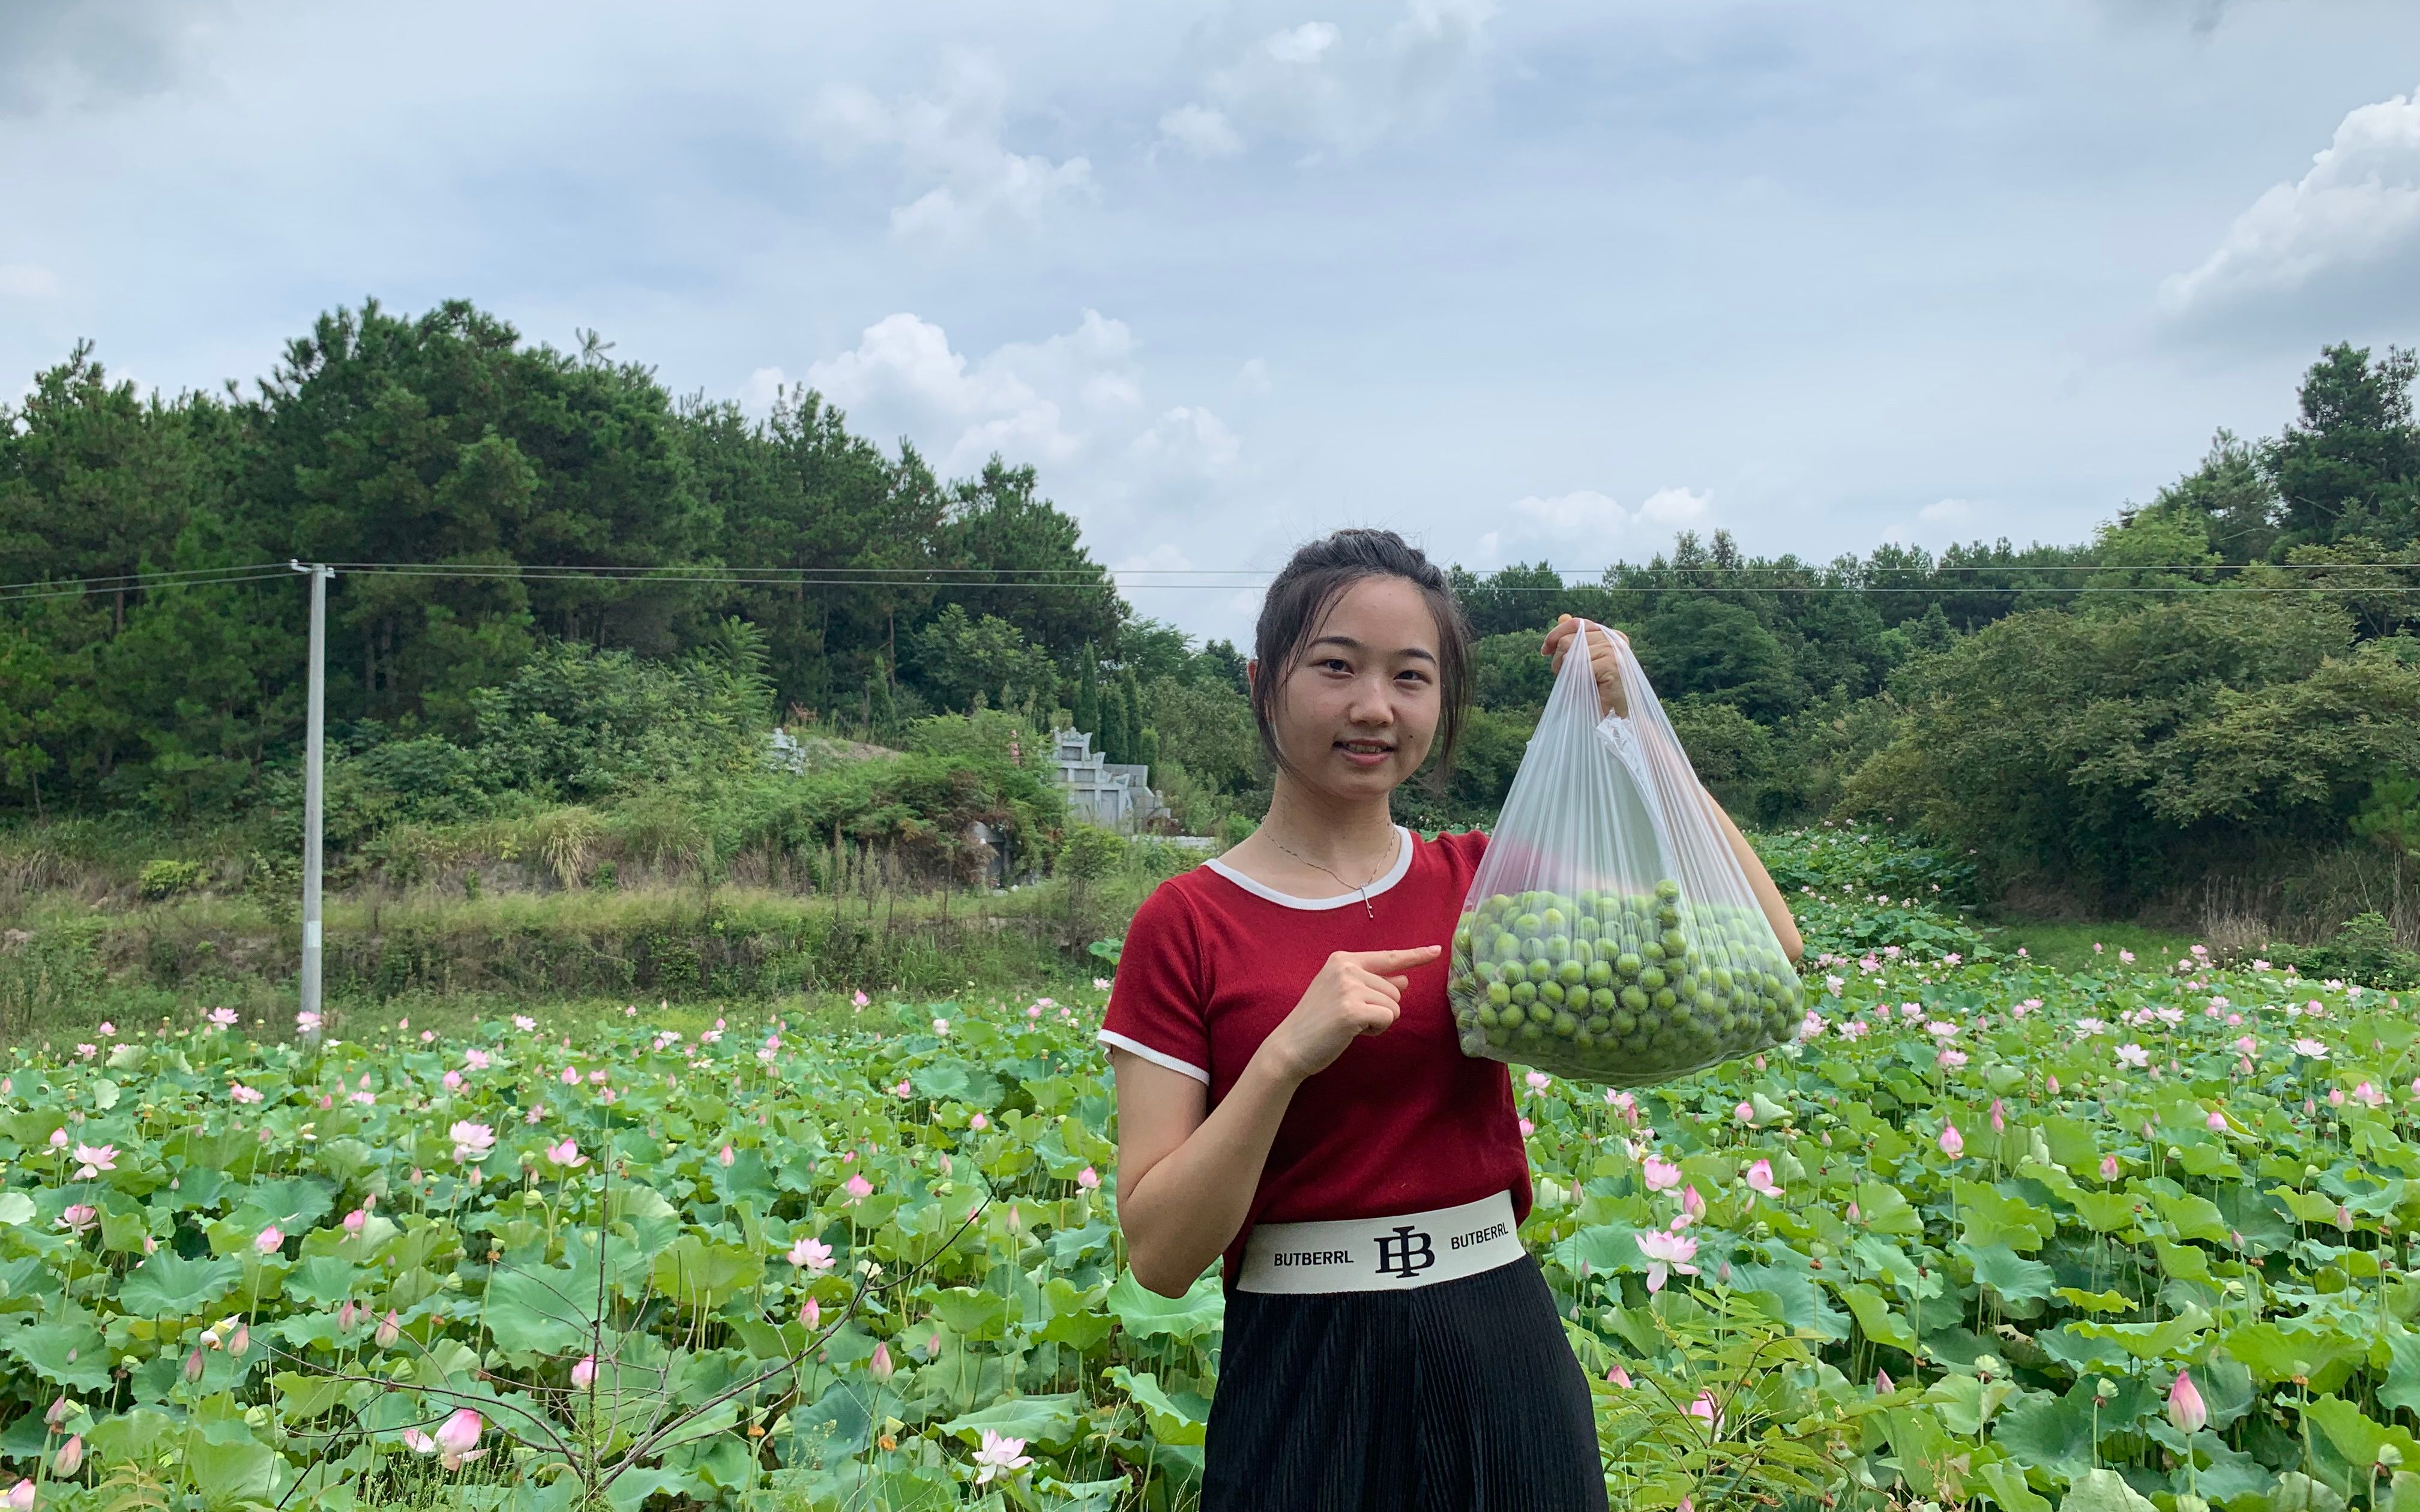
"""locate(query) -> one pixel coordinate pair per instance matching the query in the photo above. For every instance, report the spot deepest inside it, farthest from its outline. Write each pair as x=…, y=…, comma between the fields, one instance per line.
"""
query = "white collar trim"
x=1285, y=900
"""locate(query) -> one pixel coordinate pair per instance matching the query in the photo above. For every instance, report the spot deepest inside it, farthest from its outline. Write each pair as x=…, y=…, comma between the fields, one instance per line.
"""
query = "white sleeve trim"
x=1157, y=1057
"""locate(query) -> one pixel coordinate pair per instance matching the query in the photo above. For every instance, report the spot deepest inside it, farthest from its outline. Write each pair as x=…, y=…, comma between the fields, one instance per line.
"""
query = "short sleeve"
x=1156, y=1006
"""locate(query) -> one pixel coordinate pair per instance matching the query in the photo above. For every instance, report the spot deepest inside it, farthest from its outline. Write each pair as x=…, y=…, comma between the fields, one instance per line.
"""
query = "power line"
x=1081, y=580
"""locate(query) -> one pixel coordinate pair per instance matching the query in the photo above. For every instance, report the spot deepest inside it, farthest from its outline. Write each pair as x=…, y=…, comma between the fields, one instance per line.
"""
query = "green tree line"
x=629, y=582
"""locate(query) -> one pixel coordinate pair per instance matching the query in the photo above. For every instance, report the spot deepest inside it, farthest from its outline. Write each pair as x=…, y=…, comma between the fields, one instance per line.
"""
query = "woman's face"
x=1359, y=709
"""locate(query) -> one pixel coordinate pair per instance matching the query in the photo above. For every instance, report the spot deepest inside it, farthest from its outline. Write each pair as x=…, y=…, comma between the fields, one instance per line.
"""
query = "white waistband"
x=1394, y=1254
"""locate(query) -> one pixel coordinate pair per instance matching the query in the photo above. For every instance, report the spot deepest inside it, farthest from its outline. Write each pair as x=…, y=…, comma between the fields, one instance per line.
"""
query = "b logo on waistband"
x=1405, y=1253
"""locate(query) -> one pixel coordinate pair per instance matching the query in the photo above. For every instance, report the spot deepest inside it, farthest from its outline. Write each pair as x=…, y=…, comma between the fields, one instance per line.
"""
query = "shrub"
x=165, y=879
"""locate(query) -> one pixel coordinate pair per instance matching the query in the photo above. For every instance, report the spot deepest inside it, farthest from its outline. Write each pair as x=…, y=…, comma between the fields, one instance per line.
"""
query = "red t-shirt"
x=1403, y=1121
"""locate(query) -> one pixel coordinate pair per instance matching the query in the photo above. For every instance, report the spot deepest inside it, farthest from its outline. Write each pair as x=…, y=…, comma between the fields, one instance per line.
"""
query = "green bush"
x=2365, y=951
x=165, y=879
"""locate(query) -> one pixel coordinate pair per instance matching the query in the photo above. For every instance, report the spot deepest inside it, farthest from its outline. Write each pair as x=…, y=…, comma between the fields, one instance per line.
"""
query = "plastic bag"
x=1611, y=935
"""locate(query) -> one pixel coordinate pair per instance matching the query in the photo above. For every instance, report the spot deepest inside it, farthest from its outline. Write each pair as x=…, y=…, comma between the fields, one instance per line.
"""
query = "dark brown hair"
x=1308, y=587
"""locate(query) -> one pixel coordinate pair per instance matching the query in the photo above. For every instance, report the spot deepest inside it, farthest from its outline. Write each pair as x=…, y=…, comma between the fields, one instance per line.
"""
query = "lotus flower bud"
x=584, y=1375
x=69, y=1458
x=2186, y=1408
x=880, y=1367
x=390, y=1329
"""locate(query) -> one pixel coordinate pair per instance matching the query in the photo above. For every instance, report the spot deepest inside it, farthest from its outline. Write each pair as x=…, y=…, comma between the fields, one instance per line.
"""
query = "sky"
x=1524, y=282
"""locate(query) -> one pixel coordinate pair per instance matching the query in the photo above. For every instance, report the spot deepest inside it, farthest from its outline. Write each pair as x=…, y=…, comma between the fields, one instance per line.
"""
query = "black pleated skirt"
x=1463, y=1396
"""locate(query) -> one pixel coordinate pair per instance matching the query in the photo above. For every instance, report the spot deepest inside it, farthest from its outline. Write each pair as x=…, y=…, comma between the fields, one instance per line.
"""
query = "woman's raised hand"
x=1603, y=662
x=1356, y=993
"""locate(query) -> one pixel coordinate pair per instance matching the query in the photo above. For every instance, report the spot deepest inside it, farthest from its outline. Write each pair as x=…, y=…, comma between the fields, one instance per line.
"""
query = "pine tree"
x=1129, y=717
x=1088, y=698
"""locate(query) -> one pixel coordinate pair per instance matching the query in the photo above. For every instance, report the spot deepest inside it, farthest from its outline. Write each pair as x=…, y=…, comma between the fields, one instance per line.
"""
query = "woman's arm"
x=1760, y=881
x=1606, y=663
x=1185, y=1181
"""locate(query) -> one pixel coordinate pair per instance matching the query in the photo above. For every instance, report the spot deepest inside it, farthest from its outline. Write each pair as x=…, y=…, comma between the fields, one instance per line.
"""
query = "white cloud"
x=761, y=388
x=950, y=141
x=1337, y=92
x=1137, y=570
x=1947, y=509
x=1253, y=376
x=1072, y=400
x=1588, y=529
x=1306, y=43
x=1200, y=131
x=1190, y=439
x=27, y=281
x=2356, y=209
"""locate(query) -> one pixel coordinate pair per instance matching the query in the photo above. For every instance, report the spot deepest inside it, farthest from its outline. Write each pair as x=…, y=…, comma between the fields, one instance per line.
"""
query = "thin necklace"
x=1361, y=887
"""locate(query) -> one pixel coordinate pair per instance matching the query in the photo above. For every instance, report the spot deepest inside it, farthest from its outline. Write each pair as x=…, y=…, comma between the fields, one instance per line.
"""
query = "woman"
x=1291, y=1097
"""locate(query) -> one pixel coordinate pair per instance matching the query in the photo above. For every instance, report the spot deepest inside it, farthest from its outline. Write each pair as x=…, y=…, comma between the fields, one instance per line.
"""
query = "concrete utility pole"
x=314, y=744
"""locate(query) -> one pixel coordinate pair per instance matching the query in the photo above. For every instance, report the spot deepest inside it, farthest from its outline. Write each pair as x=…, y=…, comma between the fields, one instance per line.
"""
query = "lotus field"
x=1984, y=1234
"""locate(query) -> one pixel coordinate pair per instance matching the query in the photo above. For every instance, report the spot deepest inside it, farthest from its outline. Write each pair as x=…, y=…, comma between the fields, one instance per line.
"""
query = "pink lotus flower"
x=240, y=1342
x=419, y=1443
x=1692, y=1206
x=269, y=1240
x=223, y=1017
x=903, y=1090
x=453, y=1080
x=524, y=1022
x=2186, y=1410
x=389, y=1330
x=70, y=1457
x=942, y=1027
x=472, y=1141
x=95, y=1159
x=858, y=1186
x=1704, y=1410
x=2133, y=1055
x=20, y=1496
x=1950, y=1059
x=355, y=1220
x=570, y=1075
x=725, y=1156
x=1661, y=1173
x=307, y=1022
x=1617, y=1376
x=879, y=1365
x=1745, y=1113
x=2109, y=1167
x=2217, y=1121
x=459, y=1433
x=1663, y=1251
x=1089, y=1179
x=811, y=1315
x=1760, y=1178
x=860, y=1000
x=242, y=1093
x=812, y=1256
x=1953, y=1144
x=1528, y=1128
x=979, y=1123
x=1999, y=1117
x=2126, y=956
x=2049, y=1084
x=77, y=1217
x=584, y=1375
x=1883, y=1386
x=1000, y=1456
